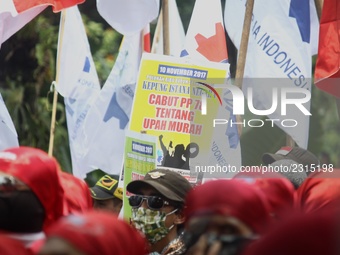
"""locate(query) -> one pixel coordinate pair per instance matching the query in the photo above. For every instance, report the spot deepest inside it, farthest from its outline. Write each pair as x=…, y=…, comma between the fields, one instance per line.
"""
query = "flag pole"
x=166, y=33
x=241, y=61
x=55, y=94
x=318, y=6
x=157, y=33
x=53, y=121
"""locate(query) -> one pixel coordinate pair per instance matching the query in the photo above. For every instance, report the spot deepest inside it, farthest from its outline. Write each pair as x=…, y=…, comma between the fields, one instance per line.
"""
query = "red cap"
x=278, y=190
x=77, y=194
x=311, y=234
x=9, y=246
x=319, y=191
x=41, y=173
x=229, y=198
x=97, y=232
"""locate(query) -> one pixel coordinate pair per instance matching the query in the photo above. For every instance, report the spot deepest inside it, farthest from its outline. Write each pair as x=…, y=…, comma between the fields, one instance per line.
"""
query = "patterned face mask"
x=151, y=223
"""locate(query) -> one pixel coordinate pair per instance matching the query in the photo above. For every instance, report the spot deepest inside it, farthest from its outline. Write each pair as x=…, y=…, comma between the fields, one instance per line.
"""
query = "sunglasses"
x=153, y=202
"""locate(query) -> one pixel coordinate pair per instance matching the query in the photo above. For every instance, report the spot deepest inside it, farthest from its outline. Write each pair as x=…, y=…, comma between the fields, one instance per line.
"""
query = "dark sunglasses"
x=153, y=202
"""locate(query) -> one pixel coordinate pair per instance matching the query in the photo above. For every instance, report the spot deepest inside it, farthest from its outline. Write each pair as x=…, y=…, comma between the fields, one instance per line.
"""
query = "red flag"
x=327, y=71
x=146, y=39
x=57, y=5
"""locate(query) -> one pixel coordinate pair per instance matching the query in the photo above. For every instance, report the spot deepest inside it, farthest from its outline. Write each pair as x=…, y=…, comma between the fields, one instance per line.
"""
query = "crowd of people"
x=46, y=211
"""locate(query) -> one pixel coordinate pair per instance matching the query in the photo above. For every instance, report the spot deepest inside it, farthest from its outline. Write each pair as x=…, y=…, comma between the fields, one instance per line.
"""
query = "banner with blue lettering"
x=78, y=83
x=283, y=38
x=107, y=120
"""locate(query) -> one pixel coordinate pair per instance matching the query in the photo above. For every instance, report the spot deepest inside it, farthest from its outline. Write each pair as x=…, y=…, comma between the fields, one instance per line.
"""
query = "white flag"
x=176, y=32
x=8, y=134
x=205, y=41
x=78, y=81
x=108, y=118
x=128, y=17
x=283, y=37
x=10, y=22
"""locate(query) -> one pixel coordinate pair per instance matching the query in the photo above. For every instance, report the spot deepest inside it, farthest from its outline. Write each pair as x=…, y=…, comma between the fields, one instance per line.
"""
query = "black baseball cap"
x=107, y=188
x=169, y=183
x=299, y=155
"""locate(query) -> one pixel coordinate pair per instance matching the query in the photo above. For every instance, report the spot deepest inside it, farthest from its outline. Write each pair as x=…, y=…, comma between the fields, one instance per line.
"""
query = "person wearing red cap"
x=31, y=193
x=93, y=233
x=278, y=190
x=225, y=214
x=319, y=192
x=77, y=194
x=9, y=246
x=305, y=234
x=157, y=209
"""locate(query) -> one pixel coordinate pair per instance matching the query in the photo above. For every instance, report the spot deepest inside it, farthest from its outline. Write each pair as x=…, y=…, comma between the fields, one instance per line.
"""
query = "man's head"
x=159, y=198
x=304, y=158
x=290, y=170
x=107, y=195
x=92, y=233
x=31, y=192
x=229, y=212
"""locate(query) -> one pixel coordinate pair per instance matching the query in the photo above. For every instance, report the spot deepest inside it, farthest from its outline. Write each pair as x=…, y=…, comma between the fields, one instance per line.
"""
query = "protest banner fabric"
x=78, y=82
x=283, y=37
x=108, y=118
x=327, y=69
x=167, y=104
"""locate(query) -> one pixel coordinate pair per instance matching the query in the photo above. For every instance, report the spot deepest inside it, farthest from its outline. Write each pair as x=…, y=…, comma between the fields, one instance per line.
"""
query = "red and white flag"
x=19, y=6
x=205, y=38
x=15, y=14
x=327, y=70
